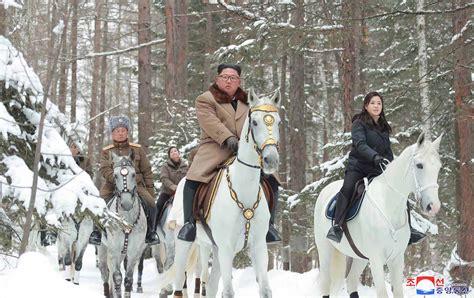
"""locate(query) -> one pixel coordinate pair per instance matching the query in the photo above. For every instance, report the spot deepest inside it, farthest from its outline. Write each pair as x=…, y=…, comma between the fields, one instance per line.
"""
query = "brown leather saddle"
x=206, y=193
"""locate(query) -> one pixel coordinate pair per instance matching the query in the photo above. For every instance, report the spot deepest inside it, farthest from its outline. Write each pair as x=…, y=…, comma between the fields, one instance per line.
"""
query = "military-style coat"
x=144, y=175
x=171, y=174
x=218, y=121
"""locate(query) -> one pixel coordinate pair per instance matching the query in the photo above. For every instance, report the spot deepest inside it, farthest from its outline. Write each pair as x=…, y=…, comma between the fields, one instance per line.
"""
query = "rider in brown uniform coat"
x=119, y=126
x=221, y=114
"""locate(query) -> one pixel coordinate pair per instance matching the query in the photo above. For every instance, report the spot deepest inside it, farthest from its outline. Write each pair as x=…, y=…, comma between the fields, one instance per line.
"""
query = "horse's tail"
x=337, y=271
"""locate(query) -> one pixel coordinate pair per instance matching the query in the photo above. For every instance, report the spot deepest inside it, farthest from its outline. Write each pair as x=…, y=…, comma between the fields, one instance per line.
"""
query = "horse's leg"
x=157, y=255
x=376, y=267
x=197, y=278
x=181, y=258
x=215, y=275
x=169, y=248
x=395, y=268
x=114, y=268
x=259, y=256
x=325, y=251
x=80, y=247
x=352, y=279
x=67, y=265
x=128, y=282
x=104, y=271
x=140, y=273
x=204, y=256
x=226, y=257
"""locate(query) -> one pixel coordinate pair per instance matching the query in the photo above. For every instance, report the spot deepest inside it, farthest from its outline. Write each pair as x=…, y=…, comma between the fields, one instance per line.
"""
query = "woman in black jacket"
x=370, y=154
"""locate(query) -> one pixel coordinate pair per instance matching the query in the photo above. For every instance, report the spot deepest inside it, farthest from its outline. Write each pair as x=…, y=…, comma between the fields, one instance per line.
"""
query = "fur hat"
x=119, y=121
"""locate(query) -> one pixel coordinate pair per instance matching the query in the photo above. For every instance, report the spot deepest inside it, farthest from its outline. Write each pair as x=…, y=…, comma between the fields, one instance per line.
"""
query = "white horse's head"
x=264, y=122
x=425, y=164
x=125, y=183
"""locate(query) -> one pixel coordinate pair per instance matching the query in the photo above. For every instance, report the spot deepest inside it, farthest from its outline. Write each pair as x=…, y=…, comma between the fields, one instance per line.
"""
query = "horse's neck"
x=245, y=177
x=394, y=185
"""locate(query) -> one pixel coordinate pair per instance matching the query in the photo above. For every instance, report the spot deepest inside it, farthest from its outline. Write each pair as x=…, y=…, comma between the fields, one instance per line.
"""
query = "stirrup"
x=272, y=234
x=335, y=233
x=152, y=238
x=188, y=232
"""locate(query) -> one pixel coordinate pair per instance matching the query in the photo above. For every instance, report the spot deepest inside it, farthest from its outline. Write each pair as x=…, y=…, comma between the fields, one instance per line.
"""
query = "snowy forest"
x=66, y=67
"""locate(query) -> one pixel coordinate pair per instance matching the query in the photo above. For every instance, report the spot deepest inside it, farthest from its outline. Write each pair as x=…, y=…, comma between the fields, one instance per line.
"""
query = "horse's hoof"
x=68, y=279
x=76, y=283
x=140, y=289
x=127, y=295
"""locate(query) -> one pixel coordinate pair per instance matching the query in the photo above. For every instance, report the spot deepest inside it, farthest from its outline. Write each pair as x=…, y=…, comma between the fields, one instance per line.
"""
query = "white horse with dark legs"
x=118, y=243
x=72, y=243
x=240, y=215
x=380, y=231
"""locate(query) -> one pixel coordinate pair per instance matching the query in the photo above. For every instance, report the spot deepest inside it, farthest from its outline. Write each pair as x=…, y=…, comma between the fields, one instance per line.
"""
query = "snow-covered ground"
x=37, y=275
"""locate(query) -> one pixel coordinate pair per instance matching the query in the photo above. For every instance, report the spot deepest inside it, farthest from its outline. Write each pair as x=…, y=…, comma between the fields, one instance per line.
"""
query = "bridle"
x=124, y=173
x=270, y=141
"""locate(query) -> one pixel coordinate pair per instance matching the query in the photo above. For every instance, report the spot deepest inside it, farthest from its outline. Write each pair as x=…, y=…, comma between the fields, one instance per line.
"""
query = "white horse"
x=118, y=243
x=240, y=214
x=381, y=230
x=72, y=243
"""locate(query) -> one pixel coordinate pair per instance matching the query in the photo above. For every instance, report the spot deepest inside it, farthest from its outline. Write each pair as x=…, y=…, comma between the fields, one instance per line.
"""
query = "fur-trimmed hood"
x=223, y=97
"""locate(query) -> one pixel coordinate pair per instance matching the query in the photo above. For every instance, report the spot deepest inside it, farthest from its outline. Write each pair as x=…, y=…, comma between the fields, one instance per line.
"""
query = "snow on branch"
x=117, y=52
x=7, y=3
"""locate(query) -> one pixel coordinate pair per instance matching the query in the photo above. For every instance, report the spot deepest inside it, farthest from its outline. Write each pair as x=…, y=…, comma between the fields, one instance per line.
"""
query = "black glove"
x=380, y=161
x=232, y=143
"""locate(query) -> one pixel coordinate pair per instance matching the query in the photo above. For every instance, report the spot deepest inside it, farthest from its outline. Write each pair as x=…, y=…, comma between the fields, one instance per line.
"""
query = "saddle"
x=206, y=193
x=354, y=203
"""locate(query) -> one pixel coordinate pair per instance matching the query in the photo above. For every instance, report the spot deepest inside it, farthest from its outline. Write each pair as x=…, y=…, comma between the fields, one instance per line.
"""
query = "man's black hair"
x=223, y=66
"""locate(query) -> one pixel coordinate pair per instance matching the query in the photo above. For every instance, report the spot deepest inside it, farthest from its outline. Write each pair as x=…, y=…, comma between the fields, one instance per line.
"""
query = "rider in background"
x=370, y=154
x=221, y=112
x=119, y=127
x=171, y=173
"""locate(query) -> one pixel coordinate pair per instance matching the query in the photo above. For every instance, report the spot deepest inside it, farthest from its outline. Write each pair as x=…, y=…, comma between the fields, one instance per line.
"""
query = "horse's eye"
x=254, y=123
x=419, y=166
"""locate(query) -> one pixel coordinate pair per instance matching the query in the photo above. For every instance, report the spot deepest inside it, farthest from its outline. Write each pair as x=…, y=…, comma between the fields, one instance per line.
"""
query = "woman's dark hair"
x=366, y=118
x=170, y=148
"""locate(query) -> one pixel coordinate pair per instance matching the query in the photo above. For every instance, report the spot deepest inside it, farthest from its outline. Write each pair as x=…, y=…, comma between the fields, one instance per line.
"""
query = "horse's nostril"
x=265, y=159
x=428, y=208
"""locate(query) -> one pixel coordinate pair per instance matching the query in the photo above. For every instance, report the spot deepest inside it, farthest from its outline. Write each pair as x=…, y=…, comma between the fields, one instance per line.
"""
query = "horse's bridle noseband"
x=270, y=141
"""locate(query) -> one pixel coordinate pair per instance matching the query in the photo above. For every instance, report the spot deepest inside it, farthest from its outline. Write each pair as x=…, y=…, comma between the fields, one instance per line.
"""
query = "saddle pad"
x=206, y=192
x=356, y=201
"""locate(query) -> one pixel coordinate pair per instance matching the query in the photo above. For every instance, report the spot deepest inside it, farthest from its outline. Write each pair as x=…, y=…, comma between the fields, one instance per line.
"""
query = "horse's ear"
x=276, y=97
x=115, y=157
x=421, y=139
x=252, y=97
x=437, y=142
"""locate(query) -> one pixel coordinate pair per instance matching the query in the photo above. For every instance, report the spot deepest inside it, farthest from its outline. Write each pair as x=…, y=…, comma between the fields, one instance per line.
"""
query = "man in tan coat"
x=119, y=127
x=221, y=113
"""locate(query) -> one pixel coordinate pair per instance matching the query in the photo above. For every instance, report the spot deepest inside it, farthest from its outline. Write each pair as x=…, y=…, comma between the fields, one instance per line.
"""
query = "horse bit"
x=268, y=119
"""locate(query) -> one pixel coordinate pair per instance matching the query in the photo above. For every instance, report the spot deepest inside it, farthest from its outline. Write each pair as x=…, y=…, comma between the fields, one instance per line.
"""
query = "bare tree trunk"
x=363, y=46
x=63, y=69
x=324, y=100
x=209, y=47
x=53, y=19
x=118, y=90
x=91, y=149
x=423, y=68
x=144, y=74
x=348, y=62
x=465, y=143
x=176, y=49
x=103, y=78
x=3, y=21
x=74, y=21
x=299, y=258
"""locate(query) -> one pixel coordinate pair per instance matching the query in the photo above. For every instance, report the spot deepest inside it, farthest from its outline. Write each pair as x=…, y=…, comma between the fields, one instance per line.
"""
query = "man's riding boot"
x=95, y=238
x=335, y=232
x=272, y=234
x=415, y=235
x=151, y=236
x=188, y=231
